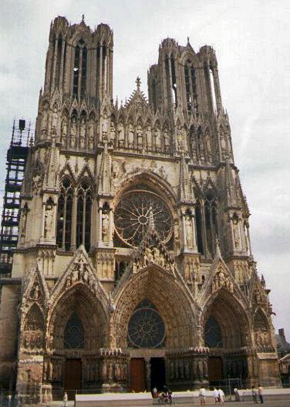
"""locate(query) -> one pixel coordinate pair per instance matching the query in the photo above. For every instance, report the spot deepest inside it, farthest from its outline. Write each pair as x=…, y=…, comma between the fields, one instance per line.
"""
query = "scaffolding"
x=17, y=154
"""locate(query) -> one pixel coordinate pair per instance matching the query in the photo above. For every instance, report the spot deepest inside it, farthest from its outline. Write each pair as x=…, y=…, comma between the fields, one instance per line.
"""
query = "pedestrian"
x=260, y=392
x=65, y=398
x=221, y=396
x=202, y=396
x=237, y=396
x=254, y=395
x=216, y=396
x=154, y=392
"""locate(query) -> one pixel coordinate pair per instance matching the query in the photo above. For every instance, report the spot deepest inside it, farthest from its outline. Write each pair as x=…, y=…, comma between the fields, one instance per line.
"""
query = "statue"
x=63, y=136
x=105, y=227
x=91, y=131
x=112, y=132
x=105, y=124
x=189, y=232
x=139, y=137
x=54, y=120
x=83, y=132
x=148, y=138
x=166, y=141
x=131, y=136
x=121, y=135
x=157, y=139
x=73, y=131
x=44, y=121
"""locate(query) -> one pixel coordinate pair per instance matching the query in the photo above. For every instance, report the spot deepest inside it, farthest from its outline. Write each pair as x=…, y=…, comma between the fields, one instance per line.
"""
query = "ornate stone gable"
x=79, y=271
x=35, y=291
x=220, y=278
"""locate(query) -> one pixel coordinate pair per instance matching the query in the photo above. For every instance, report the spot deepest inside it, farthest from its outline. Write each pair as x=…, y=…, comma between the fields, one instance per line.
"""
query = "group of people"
x=218, y=394
x=164, y=396
x=257, y=393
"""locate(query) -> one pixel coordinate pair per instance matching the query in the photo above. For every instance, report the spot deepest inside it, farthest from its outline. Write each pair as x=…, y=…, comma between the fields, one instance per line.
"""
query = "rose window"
x=146, y=328
x=134, y=213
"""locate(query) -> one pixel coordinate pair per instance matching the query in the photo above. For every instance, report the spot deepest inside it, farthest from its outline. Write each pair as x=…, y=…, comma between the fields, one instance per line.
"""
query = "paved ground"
x=272, y=403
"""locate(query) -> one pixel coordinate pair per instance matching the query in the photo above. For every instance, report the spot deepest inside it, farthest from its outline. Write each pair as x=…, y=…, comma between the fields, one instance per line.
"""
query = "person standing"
x=254, y=395
x=260, y=392
x=202, y=396
x=216, y=396
x=221, y=396
x=65, y=399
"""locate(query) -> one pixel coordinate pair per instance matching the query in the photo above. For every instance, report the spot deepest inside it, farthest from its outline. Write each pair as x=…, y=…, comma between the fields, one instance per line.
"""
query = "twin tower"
x=134, y=266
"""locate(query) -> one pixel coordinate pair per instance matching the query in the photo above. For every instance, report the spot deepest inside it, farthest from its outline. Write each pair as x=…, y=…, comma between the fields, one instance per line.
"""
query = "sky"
x=252, y=43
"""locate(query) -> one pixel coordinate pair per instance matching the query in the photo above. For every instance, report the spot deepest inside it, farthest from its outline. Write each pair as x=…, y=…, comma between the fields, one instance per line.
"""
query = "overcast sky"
x=252, y=43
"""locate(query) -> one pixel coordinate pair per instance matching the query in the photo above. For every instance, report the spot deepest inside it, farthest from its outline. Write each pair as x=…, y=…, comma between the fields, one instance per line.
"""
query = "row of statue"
x=183, y=369
x=156, y=255
x=83, y=133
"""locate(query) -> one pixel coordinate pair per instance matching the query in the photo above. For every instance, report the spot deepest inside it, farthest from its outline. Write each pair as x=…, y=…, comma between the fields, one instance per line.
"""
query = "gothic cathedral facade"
x=134, y=265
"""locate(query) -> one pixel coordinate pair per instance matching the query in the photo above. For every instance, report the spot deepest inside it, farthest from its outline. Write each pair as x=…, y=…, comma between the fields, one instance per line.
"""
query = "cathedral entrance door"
x=137, y=375
x=72, y=377
x=215, y=369
x=157, y=373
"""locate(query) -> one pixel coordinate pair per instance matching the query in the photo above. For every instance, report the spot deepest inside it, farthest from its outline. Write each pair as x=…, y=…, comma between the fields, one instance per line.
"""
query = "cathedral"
x=133, y=266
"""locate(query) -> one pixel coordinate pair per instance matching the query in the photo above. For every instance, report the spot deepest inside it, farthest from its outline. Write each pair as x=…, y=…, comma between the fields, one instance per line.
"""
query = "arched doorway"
x=153, y=316
x=77, y=330
x=225, y=331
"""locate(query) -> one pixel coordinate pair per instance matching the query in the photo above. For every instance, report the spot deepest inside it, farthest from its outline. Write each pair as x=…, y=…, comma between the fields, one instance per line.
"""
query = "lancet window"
x=209, y=77
x=80, y=69
x=206, y=218
x=213, y=335
x=171, y=79
x=74, y=337
x=102, y=64
x=84, y=206
x=74, y=215
x=64, y=218
x=190, y=87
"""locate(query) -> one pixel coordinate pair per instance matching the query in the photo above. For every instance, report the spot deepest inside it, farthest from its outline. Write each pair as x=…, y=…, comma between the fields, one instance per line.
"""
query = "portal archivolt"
x=167, y=298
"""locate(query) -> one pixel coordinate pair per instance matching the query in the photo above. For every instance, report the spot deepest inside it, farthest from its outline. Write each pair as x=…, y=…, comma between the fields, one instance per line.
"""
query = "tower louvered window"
x=190, y=88
x=80, y=70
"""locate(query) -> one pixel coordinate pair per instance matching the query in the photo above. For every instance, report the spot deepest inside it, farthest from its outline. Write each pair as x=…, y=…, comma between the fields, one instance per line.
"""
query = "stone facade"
x=134, y=243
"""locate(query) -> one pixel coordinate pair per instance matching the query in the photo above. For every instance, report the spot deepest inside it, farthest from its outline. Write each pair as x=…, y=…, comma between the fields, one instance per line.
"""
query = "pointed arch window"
x=211, y=221
x=171, y=80
x=198, y=219
x=76, y=70
x=74, y=337
x=80, y=69
x=64, y=215
x=207, y=226
x=190, y=87
x=213, y=334
x=154, y=97
x=84, y=208
x=58, y=62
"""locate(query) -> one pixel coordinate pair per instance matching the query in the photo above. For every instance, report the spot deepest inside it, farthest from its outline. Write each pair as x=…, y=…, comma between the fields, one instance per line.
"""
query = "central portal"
x=158, y=378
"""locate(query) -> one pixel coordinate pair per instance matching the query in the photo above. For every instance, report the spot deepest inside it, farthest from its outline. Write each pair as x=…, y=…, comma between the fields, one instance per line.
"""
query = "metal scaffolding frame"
x=16, y=158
